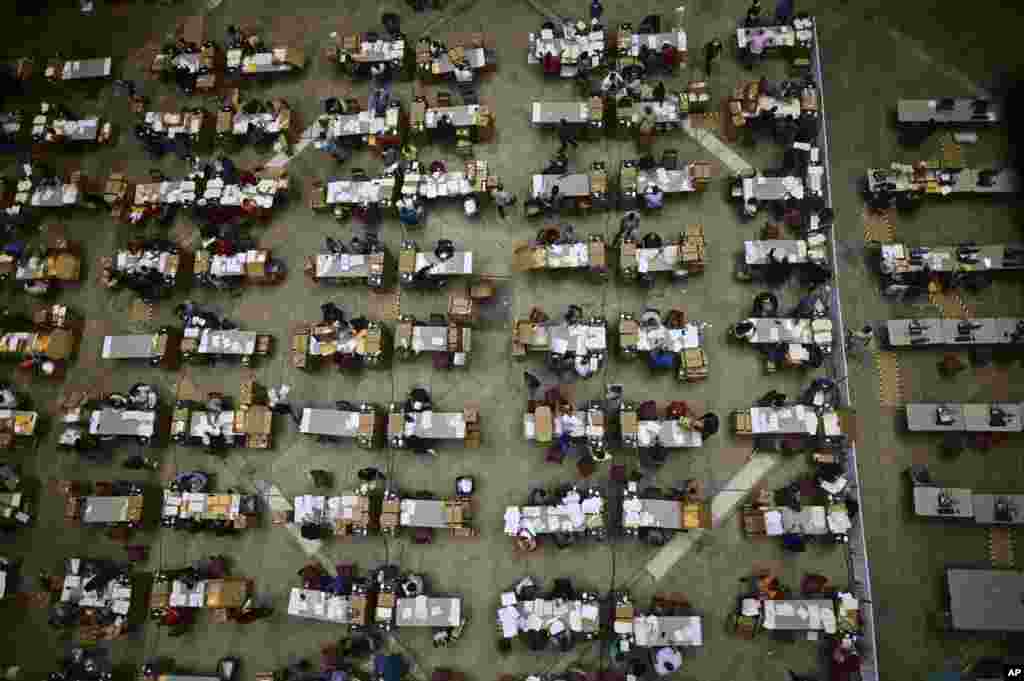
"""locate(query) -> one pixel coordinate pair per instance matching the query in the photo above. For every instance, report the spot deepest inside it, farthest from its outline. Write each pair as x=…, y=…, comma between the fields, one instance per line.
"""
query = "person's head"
x=555, y=191
x=564, y=122
x=867, y=329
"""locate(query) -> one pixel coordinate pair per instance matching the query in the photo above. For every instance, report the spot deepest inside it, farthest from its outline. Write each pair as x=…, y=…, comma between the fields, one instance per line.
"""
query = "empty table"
x=122, y=422
x=986, y=600
x=665, y=513
x=552, y=113
x=428, y=611
x=424, y=513
x=108, y=510
x=329, y=422
x=86, y=68
x=139, y=346
x=573, y=185
x=946, y=110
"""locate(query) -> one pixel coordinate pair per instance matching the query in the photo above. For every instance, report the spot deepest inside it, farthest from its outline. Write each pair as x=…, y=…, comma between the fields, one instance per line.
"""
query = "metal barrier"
x=857, y=553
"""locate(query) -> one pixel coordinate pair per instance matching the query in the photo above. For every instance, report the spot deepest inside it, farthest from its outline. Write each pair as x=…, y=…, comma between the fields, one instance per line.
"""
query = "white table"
x=653, y=631
x=664, y=513
x=986, y=600
x=428, y=611
x=800, y=615
x=927, y=502
x=320, y=605
x=423, y=513
x=329, y=422
x=139, y=346
x=433, y=425
x=120, y=422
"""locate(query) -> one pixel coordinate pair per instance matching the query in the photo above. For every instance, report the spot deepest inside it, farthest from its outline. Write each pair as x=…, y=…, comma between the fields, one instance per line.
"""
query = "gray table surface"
x=926, y=501
x=983, y=331
x=663, y=631
x=461, y=262
x=89, y=68
x=966, y=417
x=667, y=513
x=476, y=56
x=329, y=422
x=382, y=50
x=774, y=188
x=985, y=509
x=462, y=116
x=926, y=110
x=104, y=509
x=575, y=184
x=50, y=197
x=756, y=252
x=333, y=266
x=425, y=513
x=139, y=346
x=428, y=338
x=240, y=339
x=788, y=330
x=449, y=615
x=594, y=338
x=443, y=426
x=113, y=422
x=86, y=130
x=922, y=417
x=794, y=622
x=792, y=420
x=668, y=181
x=552, y=113
x=986, y=600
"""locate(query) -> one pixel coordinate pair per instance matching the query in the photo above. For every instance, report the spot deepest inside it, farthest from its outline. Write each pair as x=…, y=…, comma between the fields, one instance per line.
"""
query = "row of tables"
x=1002, y=417
x=904, y=333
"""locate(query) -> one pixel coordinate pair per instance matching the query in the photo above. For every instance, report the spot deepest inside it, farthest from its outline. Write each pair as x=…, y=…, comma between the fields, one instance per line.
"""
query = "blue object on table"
x=661, y=359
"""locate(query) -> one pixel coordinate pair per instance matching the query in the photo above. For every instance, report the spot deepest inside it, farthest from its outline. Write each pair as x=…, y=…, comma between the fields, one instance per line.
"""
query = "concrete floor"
x=871, y=57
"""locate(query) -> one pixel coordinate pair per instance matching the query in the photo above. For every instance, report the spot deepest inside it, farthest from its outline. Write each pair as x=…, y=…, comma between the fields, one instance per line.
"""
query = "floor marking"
x=915, y=47
x=709, y=141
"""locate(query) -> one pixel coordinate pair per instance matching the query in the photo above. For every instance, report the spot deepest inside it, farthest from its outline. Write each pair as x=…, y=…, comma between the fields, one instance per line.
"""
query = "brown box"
x=407, y=261
x=360, y=608
x=629, y=422
x=391, y=506
x=396, y=424
x=597, y=418
x=629, y=332
x=628, y=250
x=373, y=341
x=742, y=422
x=471, y=414
x=385, y=600
x=543, y=425
x=624, y=612
x=597, y=253
x=453, y=514
x=366, y=423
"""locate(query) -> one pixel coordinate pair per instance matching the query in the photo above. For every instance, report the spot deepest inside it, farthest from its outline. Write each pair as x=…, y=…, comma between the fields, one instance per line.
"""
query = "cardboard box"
x=629, y=333
x=373, y=341
x=453, y=514
x=385, y=600
x=629, y=422
x=367, y=423
x=396, y=424
x=597, y=254
x=624, y=612
x=742, y=422
x=360, y=607
x=391, y=506
x=543, y=424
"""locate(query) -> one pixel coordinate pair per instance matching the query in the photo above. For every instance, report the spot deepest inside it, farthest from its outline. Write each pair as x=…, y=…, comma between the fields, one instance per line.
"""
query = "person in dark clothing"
x=419, y=400
x=754, y=13
x=446, y=129
x=566, y=136
x=772, y=398
x=707, y=424
x=445, y=249
x=573, y=315
x=712, y=50
x=370, y=474
x=332, y=313
x=419, y=446
x=659, y=92
x=596, y=10
x=358, y=324
x=532, y=382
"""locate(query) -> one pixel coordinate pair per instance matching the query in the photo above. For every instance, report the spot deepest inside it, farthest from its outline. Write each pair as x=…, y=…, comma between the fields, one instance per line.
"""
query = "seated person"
x=419, y=400
x=446, y=128
x=559, y=165
x=654, y=198
x=651, y=240
x=445, y=249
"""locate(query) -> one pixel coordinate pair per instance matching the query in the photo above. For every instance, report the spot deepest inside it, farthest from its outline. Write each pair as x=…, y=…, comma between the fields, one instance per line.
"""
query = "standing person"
x=566, y=136
x=754, y=13
x=712, y=50
x=503, y=199
x=859, y=342
x=596, y=10
x=138, y=462
x=783, y=12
